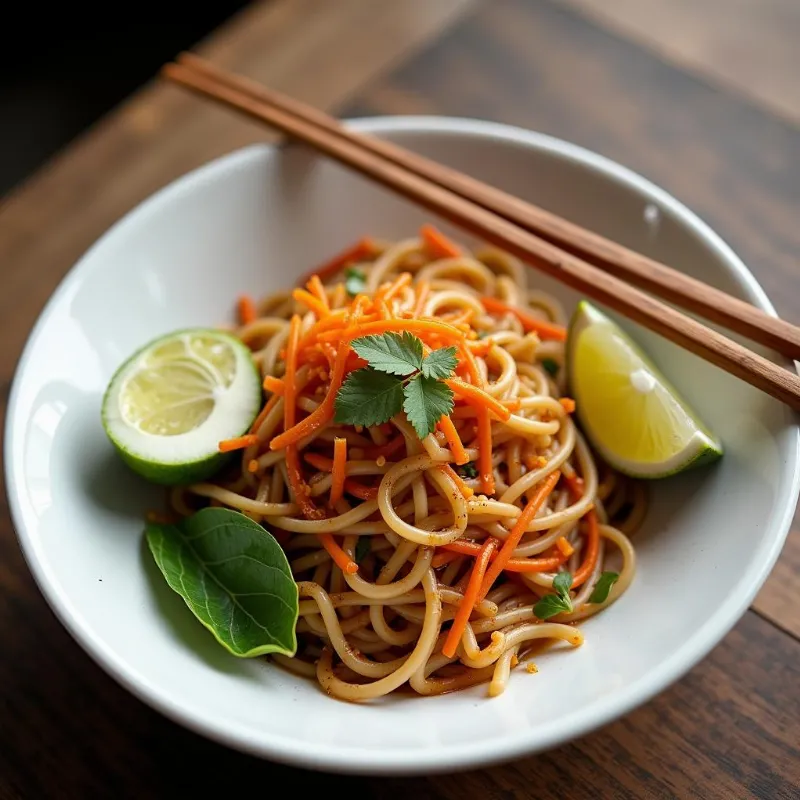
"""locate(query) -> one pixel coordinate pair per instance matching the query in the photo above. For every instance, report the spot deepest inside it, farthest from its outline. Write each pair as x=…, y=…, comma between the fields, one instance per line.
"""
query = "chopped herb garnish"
x=398, y=378
x=468, y=470
x=560, y=602
x=550, y=366
x=603, y=587
x=363, y=547
x=355, y=281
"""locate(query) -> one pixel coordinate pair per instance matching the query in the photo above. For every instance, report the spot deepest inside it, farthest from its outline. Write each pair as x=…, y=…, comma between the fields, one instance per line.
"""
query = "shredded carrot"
x=322, y=463
x=418, y=326
x=239, y=443
x=423, y=290
x=485, y=469
x=299, y=487
x=383, y=308
x=512, y=405
x=339, y=469
x=316, y=288
x=308, y=299
x=544, y=329
x=472, y=365
x=454, y=440
x=357, y=252
x=564, y=546
x=442, y=558
x=516, y=533
x=438, y=244
x=400, y=283
x=360, y=490
x=322, y=414
x=476, y=396
x=466, y=491
x=274, y=385
x=576, y=487
x=569, y=404
x=385, y=450
x=271, y=403
x=340, y=558
x=471, y=597
x=252, y=465
x=465, y=547
x=247, y=309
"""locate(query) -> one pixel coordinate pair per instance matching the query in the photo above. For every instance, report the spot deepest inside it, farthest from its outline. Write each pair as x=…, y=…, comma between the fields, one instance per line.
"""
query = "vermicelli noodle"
x=391, y=537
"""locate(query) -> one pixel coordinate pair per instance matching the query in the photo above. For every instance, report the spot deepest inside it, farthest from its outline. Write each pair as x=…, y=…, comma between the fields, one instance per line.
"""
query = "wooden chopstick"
x=565, y=267
x=632, y=267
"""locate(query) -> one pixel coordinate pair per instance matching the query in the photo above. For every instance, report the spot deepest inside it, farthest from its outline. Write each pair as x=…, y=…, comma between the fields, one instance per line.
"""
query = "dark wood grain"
x=543, y=67
x=731, y=728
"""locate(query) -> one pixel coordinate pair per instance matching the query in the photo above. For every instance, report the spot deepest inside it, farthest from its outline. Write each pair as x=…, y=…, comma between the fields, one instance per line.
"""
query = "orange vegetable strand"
x=339, y=469
x=238, y=443
x=466, y=491
x=516, y=533
x=485, y=470
x=357, y=252
x=454, y=440
x=475, y=396
x=339, y=557
x=471, y=597
x=247, y=309
x=544, y=329
x=299, y=487
x=438, y=244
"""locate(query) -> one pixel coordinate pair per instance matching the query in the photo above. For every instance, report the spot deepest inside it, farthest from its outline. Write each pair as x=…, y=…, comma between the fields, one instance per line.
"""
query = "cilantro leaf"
x=363, y=547
x=603, y=587
x=550, y=366
x=440, y=363
x=368, y=397
x=550, y=605
x=426, y=401
x=562, y=582
x=355, y=281
x=397, y=354
x=468, y=470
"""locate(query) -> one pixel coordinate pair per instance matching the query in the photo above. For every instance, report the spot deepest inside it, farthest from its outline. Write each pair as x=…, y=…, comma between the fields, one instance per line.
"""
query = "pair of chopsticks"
x=597, y=267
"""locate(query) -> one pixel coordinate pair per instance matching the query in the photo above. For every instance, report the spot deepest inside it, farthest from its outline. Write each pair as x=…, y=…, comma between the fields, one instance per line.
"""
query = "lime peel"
x=171, y=403
x=633, y=416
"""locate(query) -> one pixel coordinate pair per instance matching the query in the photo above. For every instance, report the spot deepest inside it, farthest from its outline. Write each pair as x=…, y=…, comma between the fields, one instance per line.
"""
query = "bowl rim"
x=335, y=758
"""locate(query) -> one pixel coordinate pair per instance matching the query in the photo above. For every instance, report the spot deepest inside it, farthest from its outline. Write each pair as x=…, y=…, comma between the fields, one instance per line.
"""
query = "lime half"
x=170, y=404
x=634, y=418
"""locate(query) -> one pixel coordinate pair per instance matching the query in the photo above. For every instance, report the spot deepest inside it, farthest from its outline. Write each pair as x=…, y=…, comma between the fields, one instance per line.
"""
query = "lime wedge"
x=634, y=418
x=171, y=403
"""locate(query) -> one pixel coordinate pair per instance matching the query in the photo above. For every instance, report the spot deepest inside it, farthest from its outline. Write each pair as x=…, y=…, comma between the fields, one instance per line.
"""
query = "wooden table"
x=731, y=727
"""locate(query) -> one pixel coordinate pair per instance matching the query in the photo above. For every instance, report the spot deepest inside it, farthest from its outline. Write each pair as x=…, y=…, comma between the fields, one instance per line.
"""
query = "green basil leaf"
x=603, y=587
x=550, y=605
x=234, y=577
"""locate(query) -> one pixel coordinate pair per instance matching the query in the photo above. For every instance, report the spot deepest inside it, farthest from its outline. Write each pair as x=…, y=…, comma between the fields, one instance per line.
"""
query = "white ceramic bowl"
x=251, y=222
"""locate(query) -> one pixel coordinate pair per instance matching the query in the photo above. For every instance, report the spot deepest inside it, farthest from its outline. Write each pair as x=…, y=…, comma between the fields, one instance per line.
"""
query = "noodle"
x=409, y=511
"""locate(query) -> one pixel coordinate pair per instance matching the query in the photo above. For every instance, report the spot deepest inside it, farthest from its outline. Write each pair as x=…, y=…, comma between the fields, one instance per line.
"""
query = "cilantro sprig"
x=355, y=281
x=603, y=587
x=398, y=378
x=560, y=602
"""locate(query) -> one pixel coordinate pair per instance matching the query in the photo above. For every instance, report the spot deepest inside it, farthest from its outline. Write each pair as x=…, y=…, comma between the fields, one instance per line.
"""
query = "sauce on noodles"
x=419, y=562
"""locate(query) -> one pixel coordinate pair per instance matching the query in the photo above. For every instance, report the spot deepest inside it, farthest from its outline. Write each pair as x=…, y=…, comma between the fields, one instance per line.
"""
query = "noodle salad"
x=405, y=500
